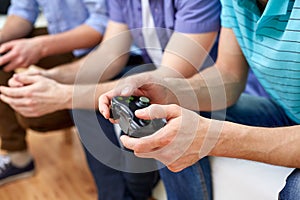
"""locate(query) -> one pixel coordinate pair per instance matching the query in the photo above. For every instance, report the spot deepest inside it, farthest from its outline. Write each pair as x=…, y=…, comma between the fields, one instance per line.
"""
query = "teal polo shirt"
x=271, y=45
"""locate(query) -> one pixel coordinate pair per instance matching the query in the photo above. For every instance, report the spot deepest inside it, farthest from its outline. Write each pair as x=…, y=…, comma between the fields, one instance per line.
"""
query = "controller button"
x=131, y=98
x=143, y=102
x=120, y=98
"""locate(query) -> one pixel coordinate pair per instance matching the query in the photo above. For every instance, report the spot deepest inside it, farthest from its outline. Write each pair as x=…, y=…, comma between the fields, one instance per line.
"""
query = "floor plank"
x=61, y=171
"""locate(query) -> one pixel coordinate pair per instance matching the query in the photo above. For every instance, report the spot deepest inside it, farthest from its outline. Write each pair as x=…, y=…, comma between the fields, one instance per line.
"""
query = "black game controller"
x=123, y=108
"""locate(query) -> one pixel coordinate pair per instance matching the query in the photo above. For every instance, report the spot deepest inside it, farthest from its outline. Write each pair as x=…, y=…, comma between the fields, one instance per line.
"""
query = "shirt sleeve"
x=115, y=11
x=197, y=16
x=98, y=14
x=28, y=10
x=227, y=14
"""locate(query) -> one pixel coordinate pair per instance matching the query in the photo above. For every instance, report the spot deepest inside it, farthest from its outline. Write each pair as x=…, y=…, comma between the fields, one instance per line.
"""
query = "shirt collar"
x=272, y=10
x=272, y=7
x=276, y=7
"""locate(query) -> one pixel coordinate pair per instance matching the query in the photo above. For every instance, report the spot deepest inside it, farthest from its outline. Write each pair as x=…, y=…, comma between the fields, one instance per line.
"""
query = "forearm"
x=15, y=27
x=212, y=89
x=64, y=73
x=216, y=87
x=103, y=64
x=66, y=92
x=278, y=146
x=109, y=58
x=86, y=96
x=93, y=68
x=85, y=37
x=185, y=54
x=88, y=69
x=93, y=71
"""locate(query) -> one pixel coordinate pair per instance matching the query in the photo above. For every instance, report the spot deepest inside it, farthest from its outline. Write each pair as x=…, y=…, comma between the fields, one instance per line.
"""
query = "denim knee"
x=291, y=190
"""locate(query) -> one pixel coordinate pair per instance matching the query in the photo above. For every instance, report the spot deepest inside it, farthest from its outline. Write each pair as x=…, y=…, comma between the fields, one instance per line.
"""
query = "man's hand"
x=179, y=144
x=144, y=84
x=35, y=95
x=20, y=53
x=31, y=71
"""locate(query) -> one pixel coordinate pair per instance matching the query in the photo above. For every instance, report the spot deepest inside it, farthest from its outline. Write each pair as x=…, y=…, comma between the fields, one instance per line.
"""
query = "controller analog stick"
x=143, y=102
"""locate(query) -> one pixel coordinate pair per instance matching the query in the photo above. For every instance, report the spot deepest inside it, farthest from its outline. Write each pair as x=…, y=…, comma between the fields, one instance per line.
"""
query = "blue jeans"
x=112, y=183
x=253, y=111
x=192, y=183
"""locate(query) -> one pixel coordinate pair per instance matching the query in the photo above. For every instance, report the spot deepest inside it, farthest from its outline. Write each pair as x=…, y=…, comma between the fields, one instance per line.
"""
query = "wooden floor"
x=61, y=171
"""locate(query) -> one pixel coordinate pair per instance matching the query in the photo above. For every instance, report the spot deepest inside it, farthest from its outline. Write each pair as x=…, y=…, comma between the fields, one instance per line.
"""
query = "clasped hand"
x=32, y=94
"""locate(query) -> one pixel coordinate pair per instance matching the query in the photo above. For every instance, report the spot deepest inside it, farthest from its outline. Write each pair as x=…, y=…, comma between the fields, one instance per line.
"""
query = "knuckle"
x=138, y=148
x=11, y=82
x=164, y=141
x=8, y=101
x=174, y=107
x=32, y=112
x=14, y=53
x=28, y=94
x=21, y=60
x=174, y=169
x=31, y=102
x=3, y=46
x=29, y=114
x=174, y=129
x=171, y=168
x=37, y=113
x=137, y=154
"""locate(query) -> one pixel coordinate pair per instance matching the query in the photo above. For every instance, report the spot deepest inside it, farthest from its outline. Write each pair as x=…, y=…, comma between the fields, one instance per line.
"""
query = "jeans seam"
x=203, y=182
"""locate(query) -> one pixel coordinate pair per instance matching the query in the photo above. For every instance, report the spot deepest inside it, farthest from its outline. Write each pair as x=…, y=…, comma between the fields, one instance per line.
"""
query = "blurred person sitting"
x=75, y=28
x=176, y=22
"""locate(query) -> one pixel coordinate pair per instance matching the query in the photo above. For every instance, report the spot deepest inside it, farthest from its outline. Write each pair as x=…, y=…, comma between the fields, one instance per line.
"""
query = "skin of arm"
x=183, y=57
x=188, y=137
x=185, y=65
x=31, y=91
x=179, y=144
x=106, y=60
x=24, y=52
x=226, y=79
x=87, y=70
x=185, y=54
x=277, y=146
x=15, y=27
x=64, y=42
x=216, y=87
x=36, y=95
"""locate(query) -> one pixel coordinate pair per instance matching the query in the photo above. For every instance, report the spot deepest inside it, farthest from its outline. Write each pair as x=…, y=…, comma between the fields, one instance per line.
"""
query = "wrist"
x=171, y=89
x=42, y=43
x=220, y=141
x=164, y=71
x=52, y=73
x=232, y=140
x=3, y=37
x=67, y=94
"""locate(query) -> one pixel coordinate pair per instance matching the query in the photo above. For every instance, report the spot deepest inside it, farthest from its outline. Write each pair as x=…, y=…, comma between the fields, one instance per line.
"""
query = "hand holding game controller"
x=123, y=108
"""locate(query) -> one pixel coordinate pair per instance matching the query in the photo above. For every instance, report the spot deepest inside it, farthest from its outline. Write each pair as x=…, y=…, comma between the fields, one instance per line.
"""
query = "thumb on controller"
x=156, y=111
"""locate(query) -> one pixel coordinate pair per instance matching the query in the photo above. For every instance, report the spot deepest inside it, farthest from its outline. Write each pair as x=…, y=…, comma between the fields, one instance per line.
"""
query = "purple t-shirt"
x=184, y=16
